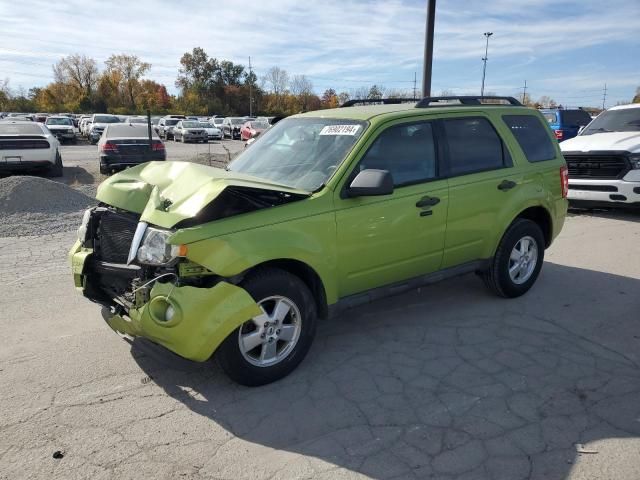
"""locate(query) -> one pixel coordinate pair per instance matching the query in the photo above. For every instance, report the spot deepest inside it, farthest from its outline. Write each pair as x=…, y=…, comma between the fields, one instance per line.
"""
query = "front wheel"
x=271, y=345
x=518, y=260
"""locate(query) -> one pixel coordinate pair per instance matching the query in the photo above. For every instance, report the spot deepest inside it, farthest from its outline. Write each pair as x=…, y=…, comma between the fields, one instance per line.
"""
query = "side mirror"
x=371, y=182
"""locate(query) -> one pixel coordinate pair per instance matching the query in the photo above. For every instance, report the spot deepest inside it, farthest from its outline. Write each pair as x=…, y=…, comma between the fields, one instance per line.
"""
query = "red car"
x=252, y=129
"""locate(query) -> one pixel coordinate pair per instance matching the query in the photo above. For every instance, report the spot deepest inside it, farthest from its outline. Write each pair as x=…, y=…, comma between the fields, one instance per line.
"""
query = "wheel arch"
x=541, y=216
x=304, y=272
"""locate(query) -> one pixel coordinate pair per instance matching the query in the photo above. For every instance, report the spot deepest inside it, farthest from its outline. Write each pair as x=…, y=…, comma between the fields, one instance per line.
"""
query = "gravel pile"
x=37, y=206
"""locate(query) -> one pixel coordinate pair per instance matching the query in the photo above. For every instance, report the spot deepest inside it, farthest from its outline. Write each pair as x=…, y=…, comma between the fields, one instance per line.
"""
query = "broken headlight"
x=82, y=229
x=155, y=248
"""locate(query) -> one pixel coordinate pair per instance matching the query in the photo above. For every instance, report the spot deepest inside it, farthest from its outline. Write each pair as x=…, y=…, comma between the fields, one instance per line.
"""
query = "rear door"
x=390, y=238
x=481, y=182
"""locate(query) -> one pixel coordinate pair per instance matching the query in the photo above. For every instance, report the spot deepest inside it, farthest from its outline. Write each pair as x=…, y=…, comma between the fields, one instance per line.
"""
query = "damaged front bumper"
x=200, y=317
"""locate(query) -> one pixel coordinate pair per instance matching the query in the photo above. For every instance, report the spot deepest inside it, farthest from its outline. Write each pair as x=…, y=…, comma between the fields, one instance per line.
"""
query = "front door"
x=386, y=239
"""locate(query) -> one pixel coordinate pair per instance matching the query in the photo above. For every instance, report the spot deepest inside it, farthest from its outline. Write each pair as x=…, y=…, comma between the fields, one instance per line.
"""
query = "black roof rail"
x=467, y=101
x=378, y=101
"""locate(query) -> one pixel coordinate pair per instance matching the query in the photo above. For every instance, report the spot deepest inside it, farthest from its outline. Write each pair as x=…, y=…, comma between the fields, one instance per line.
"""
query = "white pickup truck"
x=604, y=159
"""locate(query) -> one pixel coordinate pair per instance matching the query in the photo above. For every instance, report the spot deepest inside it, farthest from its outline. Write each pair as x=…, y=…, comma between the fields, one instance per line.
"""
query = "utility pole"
x=484, y=59
x=604, y=95
x=250, y=90
x=428, y=48
x=524, y=91
x=415, y=79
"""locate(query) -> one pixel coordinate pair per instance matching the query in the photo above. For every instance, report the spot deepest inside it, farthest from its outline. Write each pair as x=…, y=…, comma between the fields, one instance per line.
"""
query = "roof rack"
x=467, y=101
x=378, y=101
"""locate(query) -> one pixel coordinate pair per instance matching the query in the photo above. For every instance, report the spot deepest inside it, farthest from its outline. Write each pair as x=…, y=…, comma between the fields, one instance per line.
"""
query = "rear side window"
x=532, y=136
x=575, y=118
x=407, y=151
x=474, y=146
x=550, y=117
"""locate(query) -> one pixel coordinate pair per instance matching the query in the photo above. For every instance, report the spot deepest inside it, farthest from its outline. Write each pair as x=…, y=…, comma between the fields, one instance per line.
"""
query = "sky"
x=565, y=49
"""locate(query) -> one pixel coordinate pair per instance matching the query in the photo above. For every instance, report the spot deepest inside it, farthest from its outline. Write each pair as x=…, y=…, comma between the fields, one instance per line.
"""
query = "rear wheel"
x=56, y=170
x=271, y=345
x=518, y=260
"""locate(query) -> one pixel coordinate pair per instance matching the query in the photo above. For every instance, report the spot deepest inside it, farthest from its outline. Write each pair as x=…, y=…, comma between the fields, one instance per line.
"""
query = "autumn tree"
x=78, y=72
x=302, y=88
x=330, y=98
x=128, y=69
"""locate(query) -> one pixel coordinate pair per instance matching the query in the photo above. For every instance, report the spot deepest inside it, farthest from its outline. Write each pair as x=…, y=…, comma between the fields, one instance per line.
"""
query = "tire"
x=56, y=170
x=498, y=278
x=269, y=287
x=104, y=170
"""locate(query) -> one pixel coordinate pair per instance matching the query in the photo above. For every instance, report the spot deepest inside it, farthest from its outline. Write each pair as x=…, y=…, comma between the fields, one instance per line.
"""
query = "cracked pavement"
x=447, y=382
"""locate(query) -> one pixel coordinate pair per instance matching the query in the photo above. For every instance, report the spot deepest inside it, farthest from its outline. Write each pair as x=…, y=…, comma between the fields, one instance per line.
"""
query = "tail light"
x=559, y=134
x=157, y=146
x=109, y=147
x=564, y=181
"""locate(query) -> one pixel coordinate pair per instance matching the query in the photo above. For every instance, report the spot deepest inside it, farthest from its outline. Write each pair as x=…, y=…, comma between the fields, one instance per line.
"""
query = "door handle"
x=506, y=185
x=427, y=202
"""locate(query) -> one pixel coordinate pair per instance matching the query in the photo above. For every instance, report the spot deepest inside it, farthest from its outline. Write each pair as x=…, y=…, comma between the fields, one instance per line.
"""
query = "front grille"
x=114, y=236
x=23, y=144
x=605, y=167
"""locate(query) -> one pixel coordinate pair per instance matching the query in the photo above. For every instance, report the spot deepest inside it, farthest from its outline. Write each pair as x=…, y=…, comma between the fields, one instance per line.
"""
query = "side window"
x=407, y=151
x=532, y=136
x=474, y=146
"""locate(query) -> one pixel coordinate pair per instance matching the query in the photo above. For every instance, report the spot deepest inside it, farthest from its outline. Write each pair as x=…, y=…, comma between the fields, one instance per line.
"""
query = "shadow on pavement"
x=446, y=382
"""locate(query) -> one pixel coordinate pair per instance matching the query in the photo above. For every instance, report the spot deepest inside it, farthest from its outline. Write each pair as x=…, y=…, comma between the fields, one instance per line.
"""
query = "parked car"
x=604, y=160
x=213, y=132
x=327, y=210
x=189, y=131
x=27, y=147
x=99, y=122
x=83, y=124
x=136, y=119
x=231, y=127
x=124, y=145
x=217, y=122
x=566, y=123
x=252, y=129
x=62, y=128
x=165, y=127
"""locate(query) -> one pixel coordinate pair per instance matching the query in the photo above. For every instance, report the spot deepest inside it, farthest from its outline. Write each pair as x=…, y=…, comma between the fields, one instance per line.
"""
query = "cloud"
x=341, y=43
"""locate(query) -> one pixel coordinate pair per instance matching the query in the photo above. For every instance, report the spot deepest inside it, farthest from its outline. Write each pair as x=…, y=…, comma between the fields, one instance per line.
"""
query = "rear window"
x=20, y=129
x=550, y=117
x=575, y=118
x=532, y=136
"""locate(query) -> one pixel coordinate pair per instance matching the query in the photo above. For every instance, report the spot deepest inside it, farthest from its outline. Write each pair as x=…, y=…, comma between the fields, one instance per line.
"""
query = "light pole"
x=484, y=59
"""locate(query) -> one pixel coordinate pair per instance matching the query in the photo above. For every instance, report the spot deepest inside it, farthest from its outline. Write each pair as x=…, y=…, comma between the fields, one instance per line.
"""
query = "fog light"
x=163, y=311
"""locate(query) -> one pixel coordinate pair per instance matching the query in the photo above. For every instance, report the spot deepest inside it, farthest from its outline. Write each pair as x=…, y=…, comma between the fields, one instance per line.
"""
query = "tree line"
x=206, y=86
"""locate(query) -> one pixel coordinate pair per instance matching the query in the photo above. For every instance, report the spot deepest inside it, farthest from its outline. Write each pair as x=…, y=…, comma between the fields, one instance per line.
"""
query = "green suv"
x=325, y=211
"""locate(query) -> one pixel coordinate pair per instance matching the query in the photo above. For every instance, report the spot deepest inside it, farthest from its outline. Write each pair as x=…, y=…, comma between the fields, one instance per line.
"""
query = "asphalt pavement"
x=446, y=382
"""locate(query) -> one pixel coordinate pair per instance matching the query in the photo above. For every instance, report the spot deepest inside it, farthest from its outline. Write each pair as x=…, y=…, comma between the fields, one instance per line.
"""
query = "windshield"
x=190, y=124
x=205, y=125
x=172, y=121
x=218, y=121
x=300, y=152
x=237, y=121
x=137, y=120
x=106, y=119
x=58, y=121
x=624, y=120
x=259, y=125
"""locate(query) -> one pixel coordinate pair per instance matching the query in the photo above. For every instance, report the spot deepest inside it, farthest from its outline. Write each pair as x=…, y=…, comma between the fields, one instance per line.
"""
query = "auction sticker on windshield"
x=340, y=130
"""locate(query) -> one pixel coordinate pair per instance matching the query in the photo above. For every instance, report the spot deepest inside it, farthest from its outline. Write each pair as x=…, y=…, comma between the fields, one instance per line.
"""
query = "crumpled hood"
x=166, y=193
x=620, y=141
